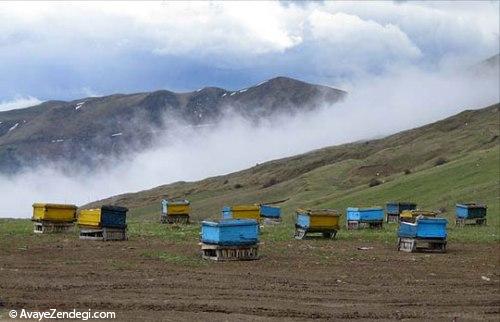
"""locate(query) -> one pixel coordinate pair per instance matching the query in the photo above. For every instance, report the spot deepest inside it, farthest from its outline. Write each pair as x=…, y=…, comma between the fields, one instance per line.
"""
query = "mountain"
x=455, y=159
x=89, y=130
x=487, y=67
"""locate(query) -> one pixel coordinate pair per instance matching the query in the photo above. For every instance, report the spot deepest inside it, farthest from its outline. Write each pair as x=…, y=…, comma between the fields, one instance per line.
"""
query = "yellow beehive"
x=89, y=218
x=324, y=219
x=410, y=215
x=246, y=212
x=53, y=212
x=178, y=209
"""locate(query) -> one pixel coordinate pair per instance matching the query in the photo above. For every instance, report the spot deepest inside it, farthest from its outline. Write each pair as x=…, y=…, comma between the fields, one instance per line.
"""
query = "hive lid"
x=320, y=212
x=54, y=205
x=176, y=201
x=431, y=220
x=269, y=206
x=114, y=208
x=230, y=222
x=418, y=212
x=470, y=205
x=364, y=209
x=90, y=210
x=402, y=203
x=244, y=207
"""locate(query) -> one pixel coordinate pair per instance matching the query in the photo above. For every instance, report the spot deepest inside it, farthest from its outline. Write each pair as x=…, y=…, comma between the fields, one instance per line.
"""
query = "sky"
x=69, y=50
x=404, y=64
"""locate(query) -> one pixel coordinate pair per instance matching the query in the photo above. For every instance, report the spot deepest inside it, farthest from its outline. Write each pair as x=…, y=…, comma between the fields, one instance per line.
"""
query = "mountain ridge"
x=108, y=125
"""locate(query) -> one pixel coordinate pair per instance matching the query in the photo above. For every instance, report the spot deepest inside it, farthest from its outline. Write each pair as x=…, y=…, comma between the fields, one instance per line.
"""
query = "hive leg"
x=300, y=233
x=481, y=221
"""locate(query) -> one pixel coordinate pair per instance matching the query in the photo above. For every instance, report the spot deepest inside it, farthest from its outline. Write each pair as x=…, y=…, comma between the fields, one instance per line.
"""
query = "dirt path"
x=296, y=280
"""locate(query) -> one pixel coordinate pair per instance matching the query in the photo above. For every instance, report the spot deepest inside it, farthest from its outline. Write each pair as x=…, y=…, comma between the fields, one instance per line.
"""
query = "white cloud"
x=351, y=38
x=161, y=27
x=228, y=30
x=19, y=102
x=440, y=29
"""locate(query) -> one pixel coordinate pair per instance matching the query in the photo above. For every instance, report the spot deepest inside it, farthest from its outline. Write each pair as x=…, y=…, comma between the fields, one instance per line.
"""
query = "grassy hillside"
x=339, y=176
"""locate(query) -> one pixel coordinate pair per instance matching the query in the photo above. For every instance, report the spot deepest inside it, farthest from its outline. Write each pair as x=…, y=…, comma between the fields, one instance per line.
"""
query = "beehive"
x=106, y=216
x=267, y=211
x=89, y=218
x=230, y=232
x=396, y=208
x=470, y=211
x=241, y=212
x=54, y=212
x=321, y=219
x=373, y=214
x=176, y=207
x=411, y=215
x=426, y=228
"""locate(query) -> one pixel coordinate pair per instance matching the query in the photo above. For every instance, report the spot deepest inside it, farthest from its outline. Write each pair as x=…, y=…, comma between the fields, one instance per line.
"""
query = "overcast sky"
x=73, y=50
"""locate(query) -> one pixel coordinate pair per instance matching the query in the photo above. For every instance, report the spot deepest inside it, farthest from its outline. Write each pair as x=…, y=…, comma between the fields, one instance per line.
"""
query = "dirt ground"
x=154, y=279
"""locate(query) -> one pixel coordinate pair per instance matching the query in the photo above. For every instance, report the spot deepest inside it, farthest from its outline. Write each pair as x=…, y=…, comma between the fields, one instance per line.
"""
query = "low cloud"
x=376, y=106
x=19, y=102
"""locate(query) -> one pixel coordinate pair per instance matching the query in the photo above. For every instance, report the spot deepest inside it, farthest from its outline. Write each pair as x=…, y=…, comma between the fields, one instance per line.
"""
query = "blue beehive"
x=395, y=208
x=227, y=213
x=426, y=228
x=302, y=220
x=470, y=211
x=113, y=217
x=229, y=232
x=373, y=214
x=267, y=211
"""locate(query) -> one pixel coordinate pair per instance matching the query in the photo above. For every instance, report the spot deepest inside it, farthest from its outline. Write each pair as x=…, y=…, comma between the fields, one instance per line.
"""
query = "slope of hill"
x=86, y=128
x=436, y=165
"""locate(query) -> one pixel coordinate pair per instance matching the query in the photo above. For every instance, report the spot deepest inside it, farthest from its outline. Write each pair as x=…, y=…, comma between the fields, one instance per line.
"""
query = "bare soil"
x=155, y=279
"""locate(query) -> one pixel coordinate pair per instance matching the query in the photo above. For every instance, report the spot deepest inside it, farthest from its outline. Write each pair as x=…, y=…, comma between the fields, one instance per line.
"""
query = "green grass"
x=15, y=227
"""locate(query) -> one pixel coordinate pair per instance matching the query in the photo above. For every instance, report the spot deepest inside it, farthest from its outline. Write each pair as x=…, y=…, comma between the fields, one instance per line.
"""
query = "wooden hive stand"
x=300, y=233
x=354, y=224
x=392, y=218
x=174, y=219
x=461, y=222
x=411, y=245
x=178, y=219
x=229, y=253
x=271, y=221
x=48, y=227
x=105, y=234
x=376, y=224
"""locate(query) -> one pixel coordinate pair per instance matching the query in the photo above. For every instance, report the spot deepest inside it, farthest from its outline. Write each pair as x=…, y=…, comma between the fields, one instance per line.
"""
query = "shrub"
x=442, y=210
x=374, y=182
x=238, y=186
x=270, y=182
x=440, y=161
